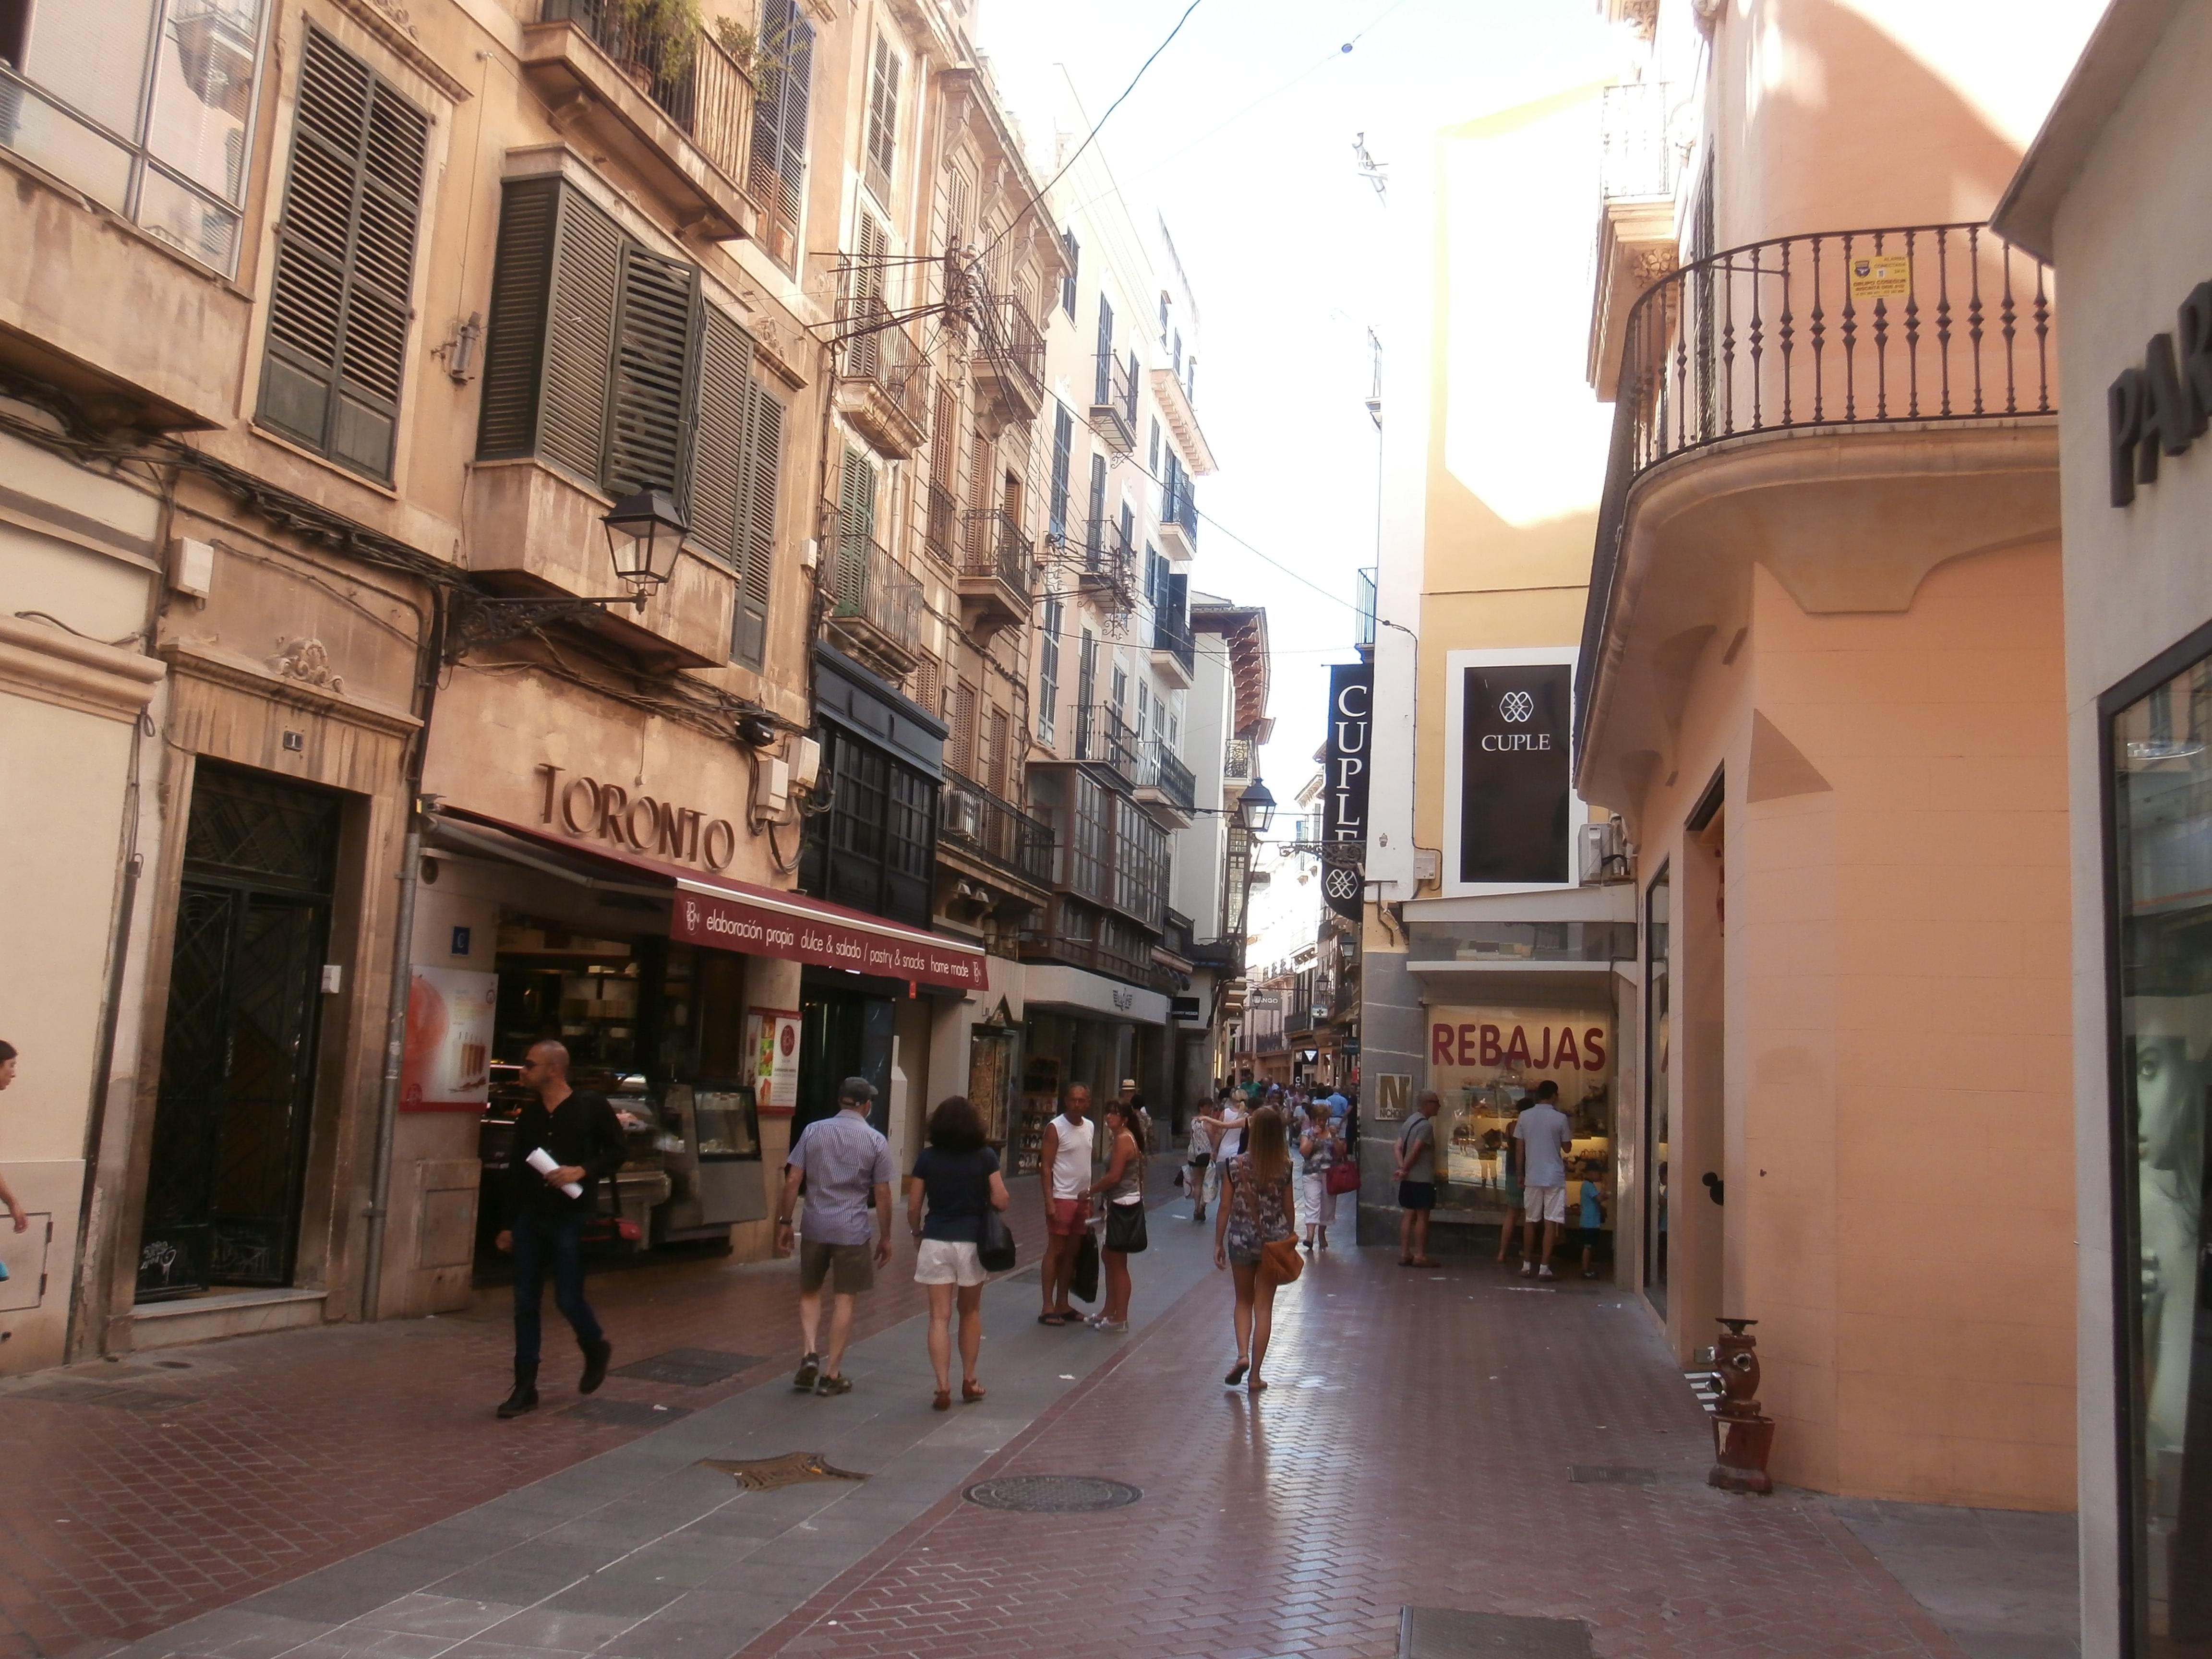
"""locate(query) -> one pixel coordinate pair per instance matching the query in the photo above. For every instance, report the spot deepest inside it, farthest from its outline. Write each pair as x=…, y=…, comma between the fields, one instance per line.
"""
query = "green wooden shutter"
x=1063, y=455
x=514, y=340
x=786, y=72
x=338, y=304
x=649, y=394
x=551, y=334
x=882, y=120
x=1095, y=540
x=717, y=467
x=764, y=459
x=864, y=350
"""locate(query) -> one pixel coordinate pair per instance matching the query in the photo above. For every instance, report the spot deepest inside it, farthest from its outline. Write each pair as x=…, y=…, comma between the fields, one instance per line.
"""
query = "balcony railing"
x=1363, y=602
x=1109, y=563
x=1012, y=349
x=1921, y=324
x=872, y=590
x=1171, y=633
x=1102, y=737
x=709, y=96
x=1637, y=158
x=941, y=532
x=1179, y=506
x=972, y=819
x=1113, y=399
x=1236, y=760
x=880, y=358
x=1163, y=770
x=997, y=549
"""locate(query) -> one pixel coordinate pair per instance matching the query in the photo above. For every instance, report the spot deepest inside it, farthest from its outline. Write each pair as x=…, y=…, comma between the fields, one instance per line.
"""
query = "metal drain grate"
x=1447, y=1633
x=1052, y=1494
x=690, y=1368
x=64, y=1392
x=1612, y=1474
x=627, y=1413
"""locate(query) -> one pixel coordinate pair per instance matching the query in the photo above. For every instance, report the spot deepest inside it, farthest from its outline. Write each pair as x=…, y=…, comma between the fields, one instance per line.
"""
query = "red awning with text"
x=725, y=914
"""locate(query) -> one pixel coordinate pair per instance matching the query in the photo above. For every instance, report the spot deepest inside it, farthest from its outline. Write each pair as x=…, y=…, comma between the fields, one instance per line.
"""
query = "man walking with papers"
x=566, y=1142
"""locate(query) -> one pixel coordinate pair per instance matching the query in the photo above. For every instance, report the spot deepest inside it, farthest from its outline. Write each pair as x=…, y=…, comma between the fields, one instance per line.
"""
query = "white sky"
x=1241, y=136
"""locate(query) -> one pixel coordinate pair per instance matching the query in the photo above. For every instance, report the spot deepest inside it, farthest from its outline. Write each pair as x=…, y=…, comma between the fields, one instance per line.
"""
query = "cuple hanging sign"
x=1344, y=801
x=727, y=920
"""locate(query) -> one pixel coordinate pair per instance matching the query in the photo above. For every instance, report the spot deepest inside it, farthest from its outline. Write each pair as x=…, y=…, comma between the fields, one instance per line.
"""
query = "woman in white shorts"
x=955, y=1181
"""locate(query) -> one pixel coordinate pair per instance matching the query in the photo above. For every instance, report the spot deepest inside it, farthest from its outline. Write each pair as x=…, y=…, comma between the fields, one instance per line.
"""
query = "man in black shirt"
x=578, y=1130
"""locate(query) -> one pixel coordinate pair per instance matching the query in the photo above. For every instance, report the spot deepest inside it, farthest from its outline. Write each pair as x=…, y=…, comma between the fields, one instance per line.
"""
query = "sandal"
x=1255, y=1386
x=1236, y=1375
x=970, y=1393
x=943, y=1402
x=1050, y=1318
x=1422, y=1261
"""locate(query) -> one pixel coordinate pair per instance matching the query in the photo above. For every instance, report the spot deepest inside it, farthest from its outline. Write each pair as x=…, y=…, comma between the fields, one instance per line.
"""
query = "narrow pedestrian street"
x=1455, y=1439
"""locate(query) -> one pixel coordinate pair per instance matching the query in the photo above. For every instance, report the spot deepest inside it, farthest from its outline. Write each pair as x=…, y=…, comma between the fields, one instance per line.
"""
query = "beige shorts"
x=1543, y=1203
x=948, y=1261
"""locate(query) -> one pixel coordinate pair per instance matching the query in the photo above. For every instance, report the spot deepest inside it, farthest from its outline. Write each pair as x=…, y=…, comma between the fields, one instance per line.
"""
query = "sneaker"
x=1544, y=1272
x=1527, y=1271
x=809, y=1372
x=834, y=1385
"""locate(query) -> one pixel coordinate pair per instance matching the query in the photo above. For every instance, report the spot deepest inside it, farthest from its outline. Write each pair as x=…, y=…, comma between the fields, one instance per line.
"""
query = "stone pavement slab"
x=643, y=1553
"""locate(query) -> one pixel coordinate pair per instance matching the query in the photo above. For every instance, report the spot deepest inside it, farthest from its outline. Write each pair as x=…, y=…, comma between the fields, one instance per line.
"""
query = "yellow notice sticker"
x=1881, y=276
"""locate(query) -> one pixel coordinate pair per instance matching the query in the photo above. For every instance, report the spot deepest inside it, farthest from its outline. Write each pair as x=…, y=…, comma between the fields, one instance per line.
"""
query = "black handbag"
x=1125, y=1228
x=996, y=1249
x=1084, y=1281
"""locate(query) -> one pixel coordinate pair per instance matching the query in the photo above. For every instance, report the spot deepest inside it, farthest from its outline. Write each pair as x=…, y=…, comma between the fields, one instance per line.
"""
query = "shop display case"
x=1037, y=1111
x=711, y=1145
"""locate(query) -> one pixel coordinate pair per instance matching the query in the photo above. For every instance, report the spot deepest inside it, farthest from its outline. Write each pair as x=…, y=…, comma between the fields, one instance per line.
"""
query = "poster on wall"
x=1486, y=1063
x=772, y=1056
x=446, y=1066
x=1515, y=797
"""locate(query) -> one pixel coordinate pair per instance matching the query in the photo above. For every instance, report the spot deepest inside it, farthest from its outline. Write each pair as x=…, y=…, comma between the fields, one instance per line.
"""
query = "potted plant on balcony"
x=657, y=39
x=740, y=42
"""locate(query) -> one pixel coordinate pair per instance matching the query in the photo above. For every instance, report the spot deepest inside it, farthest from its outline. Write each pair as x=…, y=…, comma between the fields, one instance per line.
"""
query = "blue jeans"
x=540, y=1242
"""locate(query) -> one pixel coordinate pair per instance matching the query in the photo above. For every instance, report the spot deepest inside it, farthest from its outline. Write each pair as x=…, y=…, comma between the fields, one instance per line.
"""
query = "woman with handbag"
x=955, y=1187
x=1256, y=1238
x=1123, y=1185
x=1322, y=1151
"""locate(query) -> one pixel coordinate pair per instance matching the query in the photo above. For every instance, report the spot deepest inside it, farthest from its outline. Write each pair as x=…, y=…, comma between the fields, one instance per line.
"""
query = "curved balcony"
x=1874, y=343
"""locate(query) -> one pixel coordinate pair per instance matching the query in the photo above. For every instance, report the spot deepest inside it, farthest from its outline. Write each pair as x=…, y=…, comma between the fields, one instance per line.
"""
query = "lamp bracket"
x=482, y=622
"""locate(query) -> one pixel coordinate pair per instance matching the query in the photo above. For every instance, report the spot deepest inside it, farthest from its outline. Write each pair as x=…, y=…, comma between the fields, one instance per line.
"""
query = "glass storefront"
x=1657, y=1032
x=2161, y=803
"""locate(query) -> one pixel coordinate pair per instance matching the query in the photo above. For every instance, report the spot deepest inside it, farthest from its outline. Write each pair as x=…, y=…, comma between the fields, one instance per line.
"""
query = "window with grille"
x=783, y=76
x=603, y=360
x=1048, y=671
x=882, y=120
x=338, y=304
x=155, y=123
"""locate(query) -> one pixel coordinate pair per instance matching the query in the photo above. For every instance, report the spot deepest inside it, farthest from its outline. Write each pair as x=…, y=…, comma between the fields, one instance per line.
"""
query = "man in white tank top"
x=1064, y=1170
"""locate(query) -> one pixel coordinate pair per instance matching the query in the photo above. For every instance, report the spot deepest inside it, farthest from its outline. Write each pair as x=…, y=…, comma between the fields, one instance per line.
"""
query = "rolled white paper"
x=542, y=1161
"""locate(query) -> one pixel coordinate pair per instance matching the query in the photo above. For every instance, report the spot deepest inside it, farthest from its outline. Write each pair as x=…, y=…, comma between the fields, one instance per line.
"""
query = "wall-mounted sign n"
x=1343, y=802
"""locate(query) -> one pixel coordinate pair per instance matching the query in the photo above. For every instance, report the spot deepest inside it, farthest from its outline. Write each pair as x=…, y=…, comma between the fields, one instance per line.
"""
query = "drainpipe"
x=403, y=962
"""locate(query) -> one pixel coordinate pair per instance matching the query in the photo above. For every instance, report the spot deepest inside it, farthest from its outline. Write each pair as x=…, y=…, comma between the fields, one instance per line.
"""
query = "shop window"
x=2161, y=806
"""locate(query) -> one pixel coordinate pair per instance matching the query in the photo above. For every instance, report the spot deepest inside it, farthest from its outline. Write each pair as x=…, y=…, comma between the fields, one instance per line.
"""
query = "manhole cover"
x=1052, y=1494
x=627, y=1413
x=690, y=1368
x=1612, y=1474
x=1448, y=1633
x=767, y=1474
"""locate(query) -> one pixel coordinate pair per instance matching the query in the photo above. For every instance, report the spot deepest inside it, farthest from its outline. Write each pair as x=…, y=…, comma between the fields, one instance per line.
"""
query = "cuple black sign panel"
x=1514, y=789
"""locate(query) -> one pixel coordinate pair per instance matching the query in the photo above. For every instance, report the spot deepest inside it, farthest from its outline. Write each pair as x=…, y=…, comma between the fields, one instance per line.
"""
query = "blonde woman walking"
x=1258, y=1213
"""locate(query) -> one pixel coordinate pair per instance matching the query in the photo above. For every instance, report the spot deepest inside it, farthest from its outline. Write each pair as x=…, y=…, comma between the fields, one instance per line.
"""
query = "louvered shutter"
x=1063, y=456
x=864, y=350
x=763, y=459
x=1095, y=541
x=717, y=470
x=963, y=732
x=649, y=394
x=882, y=120
x=1103, y=392
x=550, y=341
x=945, y=442
x=338, y=304
x=1073, y=250
x=786, y=70
x=955, y=209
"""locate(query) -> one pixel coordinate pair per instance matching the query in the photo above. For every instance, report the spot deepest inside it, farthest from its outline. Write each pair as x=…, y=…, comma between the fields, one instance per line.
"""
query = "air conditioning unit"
x=967, y=817
x=1605, y=854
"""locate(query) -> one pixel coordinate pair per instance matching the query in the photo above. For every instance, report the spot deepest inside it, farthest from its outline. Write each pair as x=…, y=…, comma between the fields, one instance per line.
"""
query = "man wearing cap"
x=845, y=1164
x=1133, y=1102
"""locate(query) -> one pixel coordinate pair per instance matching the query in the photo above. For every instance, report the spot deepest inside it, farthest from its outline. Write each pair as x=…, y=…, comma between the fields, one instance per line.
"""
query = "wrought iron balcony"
x=1837, y=330
x=1179, y=512
x=1113, y=402
x=1104, y=738
x=1109, y=564
x=877, y=611
x=882, y=378
x=664, y=107
x=1637, y=158
x=970, y=819
x=1236, y=760
x=994, y=572
x=1175, y=653
x=1008, y=364
x=1164, y=782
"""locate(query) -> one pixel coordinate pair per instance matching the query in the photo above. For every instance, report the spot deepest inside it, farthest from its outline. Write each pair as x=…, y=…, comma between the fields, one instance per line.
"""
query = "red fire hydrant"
x=1743, y=1437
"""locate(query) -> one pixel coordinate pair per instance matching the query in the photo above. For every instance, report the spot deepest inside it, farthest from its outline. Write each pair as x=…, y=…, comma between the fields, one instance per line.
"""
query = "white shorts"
x=945, y=1261
x=1543, y=1203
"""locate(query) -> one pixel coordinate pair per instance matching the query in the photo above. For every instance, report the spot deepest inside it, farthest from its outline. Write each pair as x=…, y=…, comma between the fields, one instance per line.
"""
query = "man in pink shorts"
x=1064, y=1170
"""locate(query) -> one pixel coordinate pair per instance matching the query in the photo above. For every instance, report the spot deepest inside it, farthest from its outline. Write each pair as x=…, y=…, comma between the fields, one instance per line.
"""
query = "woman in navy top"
x=955, y=1181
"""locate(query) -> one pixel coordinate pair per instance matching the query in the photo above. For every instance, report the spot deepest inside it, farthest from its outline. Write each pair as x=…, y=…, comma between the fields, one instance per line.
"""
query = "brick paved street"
x=1415, y=1449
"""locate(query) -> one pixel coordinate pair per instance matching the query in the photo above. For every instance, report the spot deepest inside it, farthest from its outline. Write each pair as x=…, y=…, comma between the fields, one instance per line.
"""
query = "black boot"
x=525, y=1397
x=596, y=1355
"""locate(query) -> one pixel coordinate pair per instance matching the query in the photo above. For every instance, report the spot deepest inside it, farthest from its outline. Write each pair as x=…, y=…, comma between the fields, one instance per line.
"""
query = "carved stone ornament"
x=307, y=662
